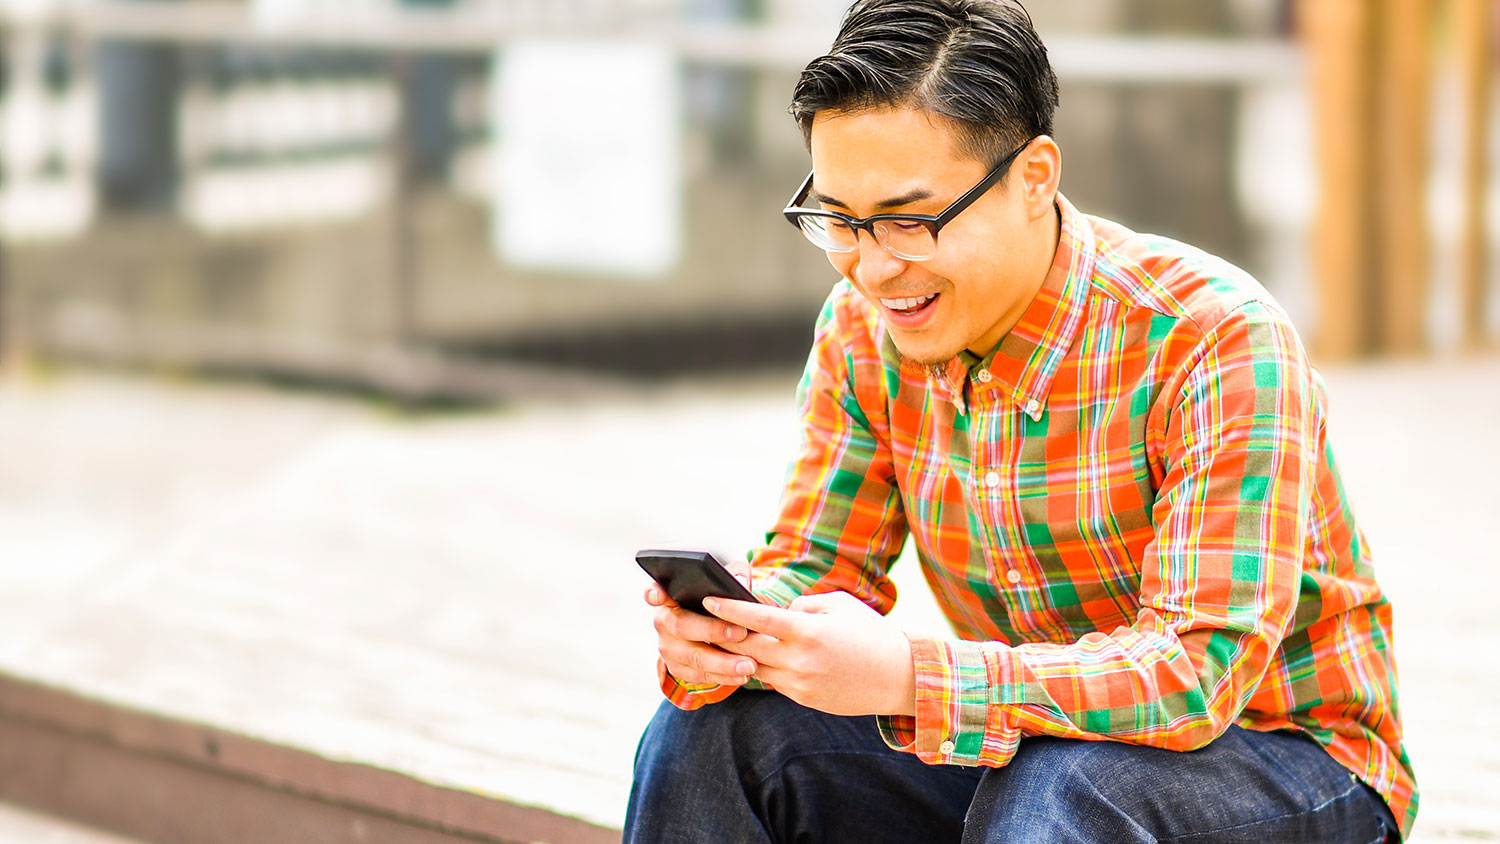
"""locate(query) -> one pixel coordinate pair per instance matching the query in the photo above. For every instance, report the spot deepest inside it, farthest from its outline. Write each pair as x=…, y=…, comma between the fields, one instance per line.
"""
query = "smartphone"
x=690, y=576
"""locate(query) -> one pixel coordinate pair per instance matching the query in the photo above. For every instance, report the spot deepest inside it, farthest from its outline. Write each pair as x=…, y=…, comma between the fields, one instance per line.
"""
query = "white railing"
x=48, y=135
x=481, y=28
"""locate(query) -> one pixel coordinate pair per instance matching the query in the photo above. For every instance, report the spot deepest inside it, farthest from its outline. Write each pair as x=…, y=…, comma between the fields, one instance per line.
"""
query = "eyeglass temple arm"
x=801, y=195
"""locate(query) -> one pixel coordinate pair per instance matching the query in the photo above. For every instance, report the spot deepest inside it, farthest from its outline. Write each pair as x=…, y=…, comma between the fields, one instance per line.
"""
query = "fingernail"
x=745, y=667
x=732, y=633
x=711, y=604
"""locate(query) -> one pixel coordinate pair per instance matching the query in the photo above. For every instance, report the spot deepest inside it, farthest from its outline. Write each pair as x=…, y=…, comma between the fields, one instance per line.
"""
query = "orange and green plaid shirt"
x=1129, y=512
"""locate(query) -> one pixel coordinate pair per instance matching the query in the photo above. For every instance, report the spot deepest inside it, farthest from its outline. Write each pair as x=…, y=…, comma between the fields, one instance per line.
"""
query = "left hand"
x=829, y=651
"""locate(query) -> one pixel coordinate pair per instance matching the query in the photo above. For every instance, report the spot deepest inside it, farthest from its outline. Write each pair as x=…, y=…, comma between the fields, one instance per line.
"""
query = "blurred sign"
x=589, y=160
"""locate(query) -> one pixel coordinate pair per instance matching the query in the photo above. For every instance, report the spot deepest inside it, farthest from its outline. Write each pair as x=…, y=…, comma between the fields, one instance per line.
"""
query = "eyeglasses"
x=910, y=237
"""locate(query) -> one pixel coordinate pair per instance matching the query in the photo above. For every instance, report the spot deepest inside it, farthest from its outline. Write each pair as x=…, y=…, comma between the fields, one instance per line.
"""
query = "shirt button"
x=1033, y=407
x=946, y=748
x=1013, y=576
x=984, y=376
x=992, y=479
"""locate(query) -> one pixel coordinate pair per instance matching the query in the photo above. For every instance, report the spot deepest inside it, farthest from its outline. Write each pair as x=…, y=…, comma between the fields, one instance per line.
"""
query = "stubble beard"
x=931, y=356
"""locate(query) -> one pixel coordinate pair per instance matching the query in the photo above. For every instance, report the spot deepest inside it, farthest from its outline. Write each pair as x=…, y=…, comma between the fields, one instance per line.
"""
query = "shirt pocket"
x=1087, y=536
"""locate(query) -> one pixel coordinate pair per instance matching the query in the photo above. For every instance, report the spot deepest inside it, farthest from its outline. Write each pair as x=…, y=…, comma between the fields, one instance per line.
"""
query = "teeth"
x=907, y=304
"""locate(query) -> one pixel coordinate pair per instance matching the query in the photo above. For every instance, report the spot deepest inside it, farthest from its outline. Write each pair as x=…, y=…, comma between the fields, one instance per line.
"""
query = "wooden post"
x=1404, y=65
x=1474, y=38
x=1339, y=35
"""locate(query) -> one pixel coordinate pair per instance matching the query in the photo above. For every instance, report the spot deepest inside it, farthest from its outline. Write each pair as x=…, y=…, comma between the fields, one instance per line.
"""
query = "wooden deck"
x=239, y=610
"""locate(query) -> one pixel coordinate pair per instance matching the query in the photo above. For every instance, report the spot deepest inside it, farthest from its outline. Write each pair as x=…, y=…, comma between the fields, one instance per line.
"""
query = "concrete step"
x=392, y=628
x=19, y=825
x=168, y=781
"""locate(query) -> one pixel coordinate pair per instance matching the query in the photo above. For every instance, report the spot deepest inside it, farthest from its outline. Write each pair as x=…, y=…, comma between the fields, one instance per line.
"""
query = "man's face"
x=991, y=259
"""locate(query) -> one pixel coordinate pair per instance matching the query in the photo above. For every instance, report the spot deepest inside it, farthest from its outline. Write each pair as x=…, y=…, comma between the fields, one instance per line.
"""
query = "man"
x=1109, y=451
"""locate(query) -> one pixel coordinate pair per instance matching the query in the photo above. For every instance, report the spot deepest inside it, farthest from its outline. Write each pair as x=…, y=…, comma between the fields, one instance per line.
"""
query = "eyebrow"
x=914, y=195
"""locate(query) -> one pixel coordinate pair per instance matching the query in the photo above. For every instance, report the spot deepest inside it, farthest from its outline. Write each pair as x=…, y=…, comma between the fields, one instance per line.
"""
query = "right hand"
x=687, y=641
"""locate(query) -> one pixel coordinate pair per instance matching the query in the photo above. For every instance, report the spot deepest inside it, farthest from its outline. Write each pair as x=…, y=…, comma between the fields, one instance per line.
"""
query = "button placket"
x=987, y=482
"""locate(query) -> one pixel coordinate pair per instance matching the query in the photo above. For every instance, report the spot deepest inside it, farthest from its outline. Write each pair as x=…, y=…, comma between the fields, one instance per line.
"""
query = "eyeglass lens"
x=908, y=240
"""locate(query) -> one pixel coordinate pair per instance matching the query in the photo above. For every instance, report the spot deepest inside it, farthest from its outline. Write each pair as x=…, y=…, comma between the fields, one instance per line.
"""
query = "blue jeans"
x=761, y=768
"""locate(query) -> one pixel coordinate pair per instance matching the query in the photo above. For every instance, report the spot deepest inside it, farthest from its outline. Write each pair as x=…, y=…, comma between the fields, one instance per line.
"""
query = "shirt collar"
x=1027, y=359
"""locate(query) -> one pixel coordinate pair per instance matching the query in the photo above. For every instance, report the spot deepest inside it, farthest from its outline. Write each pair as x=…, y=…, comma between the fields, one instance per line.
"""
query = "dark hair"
x=977, y=62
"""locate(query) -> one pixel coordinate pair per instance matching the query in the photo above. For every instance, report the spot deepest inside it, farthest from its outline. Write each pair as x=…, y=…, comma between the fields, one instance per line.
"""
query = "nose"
x=875, y=264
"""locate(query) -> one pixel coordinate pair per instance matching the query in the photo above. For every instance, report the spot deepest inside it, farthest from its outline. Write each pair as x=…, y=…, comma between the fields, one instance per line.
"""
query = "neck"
x=1048, y=231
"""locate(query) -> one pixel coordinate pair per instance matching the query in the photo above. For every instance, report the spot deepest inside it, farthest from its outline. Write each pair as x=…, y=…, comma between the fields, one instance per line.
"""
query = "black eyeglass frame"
x=932, y=222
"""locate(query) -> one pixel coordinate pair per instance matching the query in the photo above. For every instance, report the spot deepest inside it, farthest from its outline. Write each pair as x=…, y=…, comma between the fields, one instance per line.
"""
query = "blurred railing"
x=274, y=135
x=761, y=45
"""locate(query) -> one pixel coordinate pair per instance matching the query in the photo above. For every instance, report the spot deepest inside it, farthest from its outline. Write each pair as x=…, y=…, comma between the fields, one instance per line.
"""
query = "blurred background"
x=314, y=189
x=349, y=341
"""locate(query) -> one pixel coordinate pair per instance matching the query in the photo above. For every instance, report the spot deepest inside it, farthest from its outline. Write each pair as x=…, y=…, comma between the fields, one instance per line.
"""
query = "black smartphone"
x=690, y=576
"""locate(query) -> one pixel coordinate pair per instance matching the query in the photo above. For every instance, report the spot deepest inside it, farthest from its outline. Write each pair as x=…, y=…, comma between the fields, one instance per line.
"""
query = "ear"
x=1040, y=174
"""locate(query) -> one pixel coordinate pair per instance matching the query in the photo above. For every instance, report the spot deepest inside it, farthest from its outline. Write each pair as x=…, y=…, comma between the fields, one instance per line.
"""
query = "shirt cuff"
x=899, y=732
x=955, y=723
x=689, y=695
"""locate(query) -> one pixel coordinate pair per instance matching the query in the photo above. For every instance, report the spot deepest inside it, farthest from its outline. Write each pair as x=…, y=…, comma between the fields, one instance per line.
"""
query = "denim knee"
x=686, y=780
x=760, y=767
x=1050, y=793
x=1246, y=786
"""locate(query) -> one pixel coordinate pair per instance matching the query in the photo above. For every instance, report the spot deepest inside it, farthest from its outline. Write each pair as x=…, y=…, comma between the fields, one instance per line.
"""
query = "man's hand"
x=688, y=642
x=829, y=651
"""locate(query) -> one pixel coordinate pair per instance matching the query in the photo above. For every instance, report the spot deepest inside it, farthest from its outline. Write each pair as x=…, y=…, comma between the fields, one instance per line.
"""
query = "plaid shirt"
x=1129, y=513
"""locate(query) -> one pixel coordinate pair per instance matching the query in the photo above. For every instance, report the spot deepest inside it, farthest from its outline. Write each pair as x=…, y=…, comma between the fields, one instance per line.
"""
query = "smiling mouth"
x=907, y=307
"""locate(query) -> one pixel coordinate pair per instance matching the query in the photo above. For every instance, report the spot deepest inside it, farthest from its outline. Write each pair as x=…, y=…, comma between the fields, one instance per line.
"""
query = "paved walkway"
x=22, y=826
x=453, y=596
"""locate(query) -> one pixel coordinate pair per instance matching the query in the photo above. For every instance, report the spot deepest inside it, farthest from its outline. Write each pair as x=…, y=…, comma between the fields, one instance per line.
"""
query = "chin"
x=926, y=354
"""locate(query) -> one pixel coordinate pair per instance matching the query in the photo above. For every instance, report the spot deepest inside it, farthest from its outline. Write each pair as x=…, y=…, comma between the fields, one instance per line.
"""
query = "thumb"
x=741, y=571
